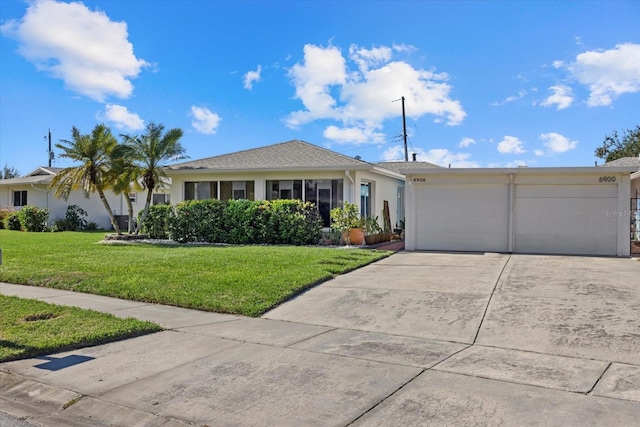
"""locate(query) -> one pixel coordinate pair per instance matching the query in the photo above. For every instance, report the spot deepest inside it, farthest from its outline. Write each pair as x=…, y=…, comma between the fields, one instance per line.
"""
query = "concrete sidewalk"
x=417, y=338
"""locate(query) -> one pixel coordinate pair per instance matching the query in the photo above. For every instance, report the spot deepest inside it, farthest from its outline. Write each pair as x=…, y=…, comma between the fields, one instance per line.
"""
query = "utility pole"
x=50, y=151
x=404, y=132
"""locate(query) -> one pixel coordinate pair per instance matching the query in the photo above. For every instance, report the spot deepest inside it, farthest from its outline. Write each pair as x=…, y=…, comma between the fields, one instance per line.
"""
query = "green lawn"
x=31, y=328
x=245, y=280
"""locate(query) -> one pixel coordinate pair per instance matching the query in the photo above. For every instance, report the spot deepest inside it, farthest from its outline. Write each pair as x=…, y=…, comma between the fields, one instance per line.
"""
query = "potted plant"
x=347, y=221
x=372, y=230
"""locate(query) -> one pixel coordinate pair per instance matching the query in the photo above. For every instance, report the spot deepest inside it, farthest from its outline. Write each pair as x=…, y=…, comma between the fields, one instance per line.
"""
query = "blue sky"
x=487, y=83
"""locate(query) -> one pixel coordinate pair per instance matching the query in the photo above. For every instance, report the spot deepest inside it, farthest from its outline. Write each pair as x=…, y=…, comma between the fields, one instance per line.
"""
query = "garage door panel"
x=593, y=226
x=552, y=243
x=462, y=208
x=461, y=224
x=452, y=241
x=564, y=207
x=565, y=219
x=464, y=192
x=462, y=217
x=566, y=191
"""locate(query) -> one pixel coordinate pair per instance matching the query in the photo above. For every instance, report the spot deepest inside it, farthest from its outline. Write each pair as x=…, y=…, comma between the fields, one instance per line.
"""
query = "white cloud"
x=204, y=121
x=538, y=152
x=83, y=48
x=322, y=69
x=439, y=156
x=251, y=77
x=466, y=142
x=362, y=99
x=562, y=97
x=608, y=73
x=521, y=94
x=557, y=143
x=354, y=135
x=558, y=64
x=510, y=145
x=367, y=58
x=122, y=118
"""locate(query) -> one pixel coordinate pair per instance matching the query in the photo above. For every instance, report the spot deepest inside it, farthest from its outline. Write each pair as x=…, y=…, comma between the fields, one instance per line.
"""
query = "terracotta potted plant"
x=347, y=221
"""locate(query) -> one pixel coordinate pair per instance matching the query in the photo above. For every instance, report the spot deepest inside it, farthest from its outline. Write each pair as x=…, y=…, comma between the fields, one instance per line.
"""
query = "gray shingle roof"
x=294, y=154
x=624, y=161
x=398, y=166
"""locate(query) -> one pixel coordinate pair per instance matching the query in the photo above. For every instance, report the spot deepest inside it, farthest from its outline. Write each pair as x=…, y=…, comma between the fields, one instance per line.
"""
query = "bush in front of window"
x=287, y=222
x=33, y=219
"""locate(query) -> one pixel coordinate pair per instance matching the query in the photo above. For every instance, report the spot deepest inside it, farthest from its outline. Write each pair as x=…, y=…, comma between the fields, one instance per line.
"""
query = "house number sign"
x=419, y=179
x=607, y=179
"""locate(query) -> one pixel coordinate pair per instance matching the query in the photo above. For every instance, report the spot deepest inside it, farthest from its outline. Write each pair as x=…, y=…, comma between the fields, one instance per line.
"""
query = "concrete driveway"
x=415, y=339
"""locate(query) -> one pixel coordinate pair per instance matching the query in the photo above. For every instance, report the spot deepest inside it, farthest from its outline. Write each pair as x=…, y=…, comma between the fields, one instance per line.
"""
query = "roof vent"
x=414, y=156
x=358, y=158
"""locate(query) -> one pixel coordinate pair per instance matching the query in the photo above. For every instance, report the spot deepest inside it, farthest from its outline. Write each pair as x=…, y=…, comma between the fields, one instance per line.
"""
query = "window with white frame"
x=20, y=198
x=133, y=196
x=365, y=199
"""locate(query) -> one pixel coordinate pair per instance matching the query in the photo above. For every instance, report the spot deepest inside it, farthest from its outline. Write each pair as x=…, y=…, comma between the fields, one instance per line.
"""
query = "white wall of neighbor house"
x=41, y=196
x=522, y=210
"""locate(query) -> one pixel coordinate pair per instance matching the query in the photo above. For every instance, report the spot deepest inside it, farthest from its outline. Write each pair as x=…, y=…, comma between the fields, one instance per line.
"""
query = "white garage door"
x=462, y=217
x=565, y=219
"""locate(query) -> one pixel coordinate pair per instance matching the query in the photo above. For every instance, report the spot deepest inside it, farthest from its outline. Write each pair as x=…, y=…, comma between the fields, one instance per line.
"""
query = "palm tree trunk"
x=112, y=217
x=147, y=205
x=132, y=225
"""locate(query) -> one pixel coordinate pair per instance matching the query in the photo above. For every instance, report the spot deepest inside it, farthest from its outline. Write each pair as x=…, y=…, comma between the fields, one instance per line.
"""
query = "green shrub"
x=156, y=224
x=33, y=218
x=74, y=219
x=290, y=222
x=91, y=226
x=198, y=221
x=4, y=214
x=13, y=222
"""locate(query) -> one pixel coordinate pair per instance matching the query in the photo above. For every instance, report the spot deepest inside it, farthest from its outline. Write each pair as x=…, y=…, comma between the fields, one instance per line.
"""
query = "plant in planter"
x=372, y=230
x=347, y=221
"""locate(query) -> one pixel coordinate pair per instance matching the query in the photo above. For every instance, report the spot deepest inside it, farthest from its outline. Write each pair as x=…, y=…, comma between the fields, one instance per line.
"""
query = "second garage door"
x=469, y=217
x=565, y=219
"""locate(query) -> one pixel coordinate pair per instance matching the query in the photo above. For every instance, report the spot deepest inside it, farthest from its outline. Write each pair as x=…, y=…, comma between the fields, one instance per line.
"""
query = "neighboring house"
x=292, y=170
x=33, y=189
x=633, y=162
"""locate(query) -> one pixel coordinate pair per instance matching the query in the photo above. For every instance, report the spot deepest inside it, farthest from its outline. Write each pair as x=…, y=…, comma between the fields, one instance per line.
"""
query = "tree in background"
x=614, y=147
x=149, y=152
x=9, y=172
x=93, y=152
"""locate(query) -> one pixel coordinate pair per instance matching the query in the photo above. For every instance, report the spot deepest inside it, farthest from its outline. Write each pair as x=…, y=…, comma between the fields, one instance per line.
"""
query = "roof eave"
x=523, y=170
x=274, y=169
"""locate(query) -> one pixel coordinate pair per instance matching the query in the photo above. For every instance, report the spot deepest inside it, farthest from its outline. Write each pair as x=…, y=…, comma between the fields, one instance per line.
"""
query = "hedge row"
x=285, y=222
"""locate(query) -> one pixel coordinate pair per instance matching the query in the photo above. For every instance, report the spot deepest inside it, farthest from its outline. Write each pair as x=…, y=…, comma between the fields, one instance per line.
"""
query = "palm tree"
x=125, y=177
x=92, y=175
x=149, y=152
